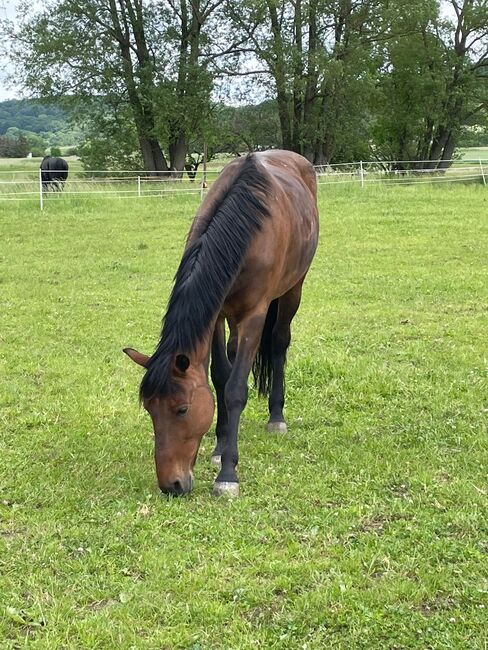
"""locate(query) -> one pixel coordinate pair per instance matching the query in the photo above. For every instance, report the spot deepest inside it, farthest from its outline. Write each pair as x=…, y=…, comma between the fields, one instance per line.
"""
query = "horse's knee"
x=236, y=397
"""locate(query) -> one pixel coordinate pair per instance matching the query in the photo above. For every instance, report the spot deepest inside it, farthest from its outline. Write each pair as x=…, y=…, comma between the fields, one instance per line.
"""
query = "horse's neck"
x=200, y=356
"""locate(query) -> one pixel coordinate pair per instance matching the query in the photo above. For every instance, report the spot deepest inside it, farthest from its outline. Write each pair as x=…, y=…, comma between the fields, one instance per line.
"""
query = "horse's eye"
x=182, y=410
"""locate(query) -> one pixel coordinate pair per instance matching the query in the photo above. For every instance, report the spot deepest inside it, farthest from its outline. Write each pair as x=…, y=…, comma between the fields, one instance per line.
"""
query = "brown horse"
x=247, y=254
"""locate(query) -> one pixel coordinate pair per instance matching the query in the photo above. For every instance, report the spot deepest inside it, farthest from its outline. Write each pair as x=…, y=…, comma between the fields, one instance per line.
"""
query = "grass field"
x=364, y=527
x=474, y=153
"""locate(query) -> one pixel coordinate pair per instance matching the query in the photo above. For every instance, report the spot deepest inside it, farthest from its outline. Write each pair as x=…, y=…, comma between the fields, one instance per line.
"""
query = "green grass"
x=474, y=153
x=31, y=165
x=364, y=527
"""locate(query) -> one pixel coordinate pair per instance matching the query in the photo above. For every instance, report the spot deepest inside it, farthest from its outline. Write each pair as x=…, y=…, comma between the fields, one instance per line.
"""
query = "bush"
x=55, y=151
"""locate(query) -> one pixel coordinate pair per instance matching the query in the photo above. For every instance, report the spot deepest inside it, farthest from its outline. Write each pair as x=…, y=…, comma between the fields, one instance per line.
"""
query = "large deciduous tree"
x=320, y=56
x=113, y=54
x=434, y=83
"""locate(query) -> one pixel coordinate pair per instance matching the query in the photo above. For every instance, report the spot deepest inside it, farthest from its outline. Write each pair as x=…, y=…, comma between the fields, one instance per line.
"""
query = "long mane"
x=210, y=264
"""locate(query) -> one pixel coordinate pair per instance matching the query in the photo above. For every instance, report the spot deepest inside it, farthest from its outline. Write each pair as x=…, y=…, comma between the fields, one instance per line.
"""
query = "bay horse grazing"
x=54, y=172
x=247, y=254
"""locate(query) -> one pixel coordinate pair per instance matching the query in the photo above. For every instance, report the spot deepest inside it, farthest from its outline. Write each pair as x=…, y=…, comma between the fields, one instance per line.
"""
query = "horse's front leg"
x=235, y=394
x=220, y=371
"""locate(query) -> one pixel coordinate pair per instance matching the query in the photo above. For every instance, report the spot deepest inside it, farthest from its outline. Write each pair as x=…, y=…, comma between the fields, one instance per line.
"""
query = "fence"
x=28, y=186
x=405, y=172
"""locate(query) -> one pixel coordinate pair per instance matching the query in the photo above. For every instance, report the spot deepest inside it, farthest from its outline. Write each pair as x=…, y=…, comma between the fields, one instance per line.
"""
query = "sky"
x=7, y=10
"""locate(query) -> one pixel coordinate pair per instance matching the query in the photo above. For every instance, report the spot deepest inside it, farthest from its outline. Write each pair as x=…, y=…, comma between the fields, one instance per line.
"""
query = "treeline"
x=13, y=147
x=36, y=127
x=345, y=79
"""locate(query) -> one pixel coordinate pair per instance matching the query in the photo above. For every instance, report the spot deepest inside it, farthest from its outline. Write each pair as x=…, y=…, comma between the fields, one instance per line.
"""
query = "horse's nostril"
x=177, y=487
x=181, y=486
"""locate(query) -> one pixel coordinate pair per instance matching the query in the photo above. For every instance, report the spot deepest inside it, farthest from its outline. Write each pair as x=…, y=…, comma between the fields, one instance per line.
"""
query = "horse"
x=247, y=253
x=54, y=172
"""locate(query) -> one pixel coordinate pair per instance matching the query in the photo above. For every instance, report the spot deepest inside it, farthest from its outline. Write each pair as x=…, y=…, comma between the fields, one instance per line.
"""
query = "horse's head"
x=180, y=420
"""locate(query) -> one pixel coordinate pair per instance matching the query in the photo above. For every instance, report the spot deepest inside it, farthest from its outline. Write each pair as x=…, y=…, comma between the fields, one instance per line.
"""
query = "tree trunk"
x=298, y=90
x=140, y=102
x=154, y=160
x=447, y=154
x=319, y=155
x=311, y=110
x=277, y=66
x=440, y=140
x=177, y=154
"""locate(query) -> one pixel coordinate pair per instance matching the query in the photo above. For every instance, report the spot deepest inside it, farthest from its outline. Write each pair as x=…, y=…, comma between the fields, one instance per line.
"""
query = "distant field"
x=474, y=153
x=364, y=527
x=29, y=166
x=32, y=164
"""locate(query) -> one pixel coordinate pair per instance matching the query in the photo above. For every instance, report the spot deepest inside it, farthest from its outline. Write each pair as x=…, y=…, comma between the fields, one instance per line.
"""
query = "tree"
x=121, y=51
x=320, y=56
x=13, y=147
x=35, y=143
x=434, y=83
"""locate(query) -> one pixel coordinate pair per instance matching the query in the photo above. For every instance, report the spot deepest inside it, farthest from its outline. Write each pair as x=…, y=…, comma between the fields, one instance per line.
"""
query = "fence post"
x=361, y=173
x=139, y=186
x=41, y=198
x=204, y=179
x=482, y=173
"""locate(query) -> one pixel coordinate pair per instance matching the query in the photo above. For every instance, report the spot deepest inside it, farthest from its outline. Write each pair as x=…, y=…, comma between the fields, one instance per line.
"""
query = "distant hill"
x=30, y=116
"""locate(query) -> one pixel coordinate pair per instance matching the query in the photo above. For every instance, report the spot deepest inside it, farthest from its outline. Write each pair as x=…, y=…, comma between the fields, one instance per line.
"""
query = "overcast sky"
x=7, y=10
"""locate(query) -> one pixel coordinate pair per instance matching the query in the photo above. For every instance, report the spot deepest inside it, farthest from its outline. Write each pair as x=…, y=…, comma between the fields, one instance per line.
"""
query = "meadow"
x=366, y=526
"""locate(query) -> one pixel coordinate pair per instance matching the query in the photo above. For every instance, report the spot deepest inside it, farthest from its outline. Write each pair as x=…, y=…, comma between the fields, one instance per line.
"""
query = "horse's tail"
x=263, y=367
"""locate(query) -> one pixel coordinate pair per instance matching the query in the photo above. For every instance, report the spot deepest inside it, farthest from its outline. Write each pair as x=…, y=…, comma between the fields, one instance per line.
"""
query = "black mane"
x=209, y=265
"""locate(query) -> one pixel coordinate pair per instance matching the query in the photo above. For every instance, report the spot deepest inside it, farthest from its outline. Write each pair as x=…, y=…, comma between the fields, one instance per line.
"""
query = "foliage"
x=238, y=129
x=319, y=56
x=141, y=57
x=339, y=80
x=31, y=115
x=13, y=147
x=435, y=85
x=110, y=136
x=48, y=121
x=37, y=145
x=474, y=138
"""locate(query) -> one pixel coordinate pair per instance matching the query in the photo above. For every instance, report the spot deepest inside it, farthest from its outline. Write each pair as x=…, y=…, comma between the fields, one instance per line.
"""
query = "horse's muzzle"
x=178, y=487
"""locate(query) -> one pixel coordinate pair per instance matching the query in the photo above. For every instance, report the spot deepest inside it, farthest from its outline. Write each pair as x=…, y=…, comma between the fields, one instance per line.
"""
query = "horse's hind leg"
x=287, y=308
x=220, y=370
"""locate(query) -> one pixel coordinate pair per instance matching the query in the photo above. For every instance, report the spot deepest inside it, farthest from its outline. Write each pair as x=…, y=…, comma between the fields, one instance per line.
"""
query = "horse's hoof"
x=216, y=460
x=225, y=488
x=277, y=427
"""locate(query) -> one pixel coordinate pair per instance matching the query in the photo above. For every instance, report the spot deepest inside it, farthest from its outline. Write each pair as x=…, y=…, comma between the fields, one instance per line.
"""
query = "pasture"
x=363, y=527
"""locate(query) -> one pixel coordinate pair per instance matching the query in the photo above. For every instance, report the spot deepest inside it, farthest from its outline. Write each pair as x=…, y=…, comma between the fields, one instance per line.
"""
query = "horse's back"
x=282, y=251
x=285, y=164
x=53, y=165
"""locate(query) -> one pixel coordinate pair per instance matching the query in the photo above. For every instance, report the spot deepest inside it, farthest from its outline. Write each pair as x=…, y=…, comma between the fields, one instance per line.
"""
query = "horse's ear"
x=182, y=362
x=137, y=357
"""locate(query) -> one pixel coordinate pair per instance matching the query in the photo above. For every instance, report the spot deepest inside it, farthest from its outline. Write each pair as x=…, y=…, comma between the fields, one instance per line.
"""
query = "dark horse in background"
x=54, y=172
x=247, y=254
